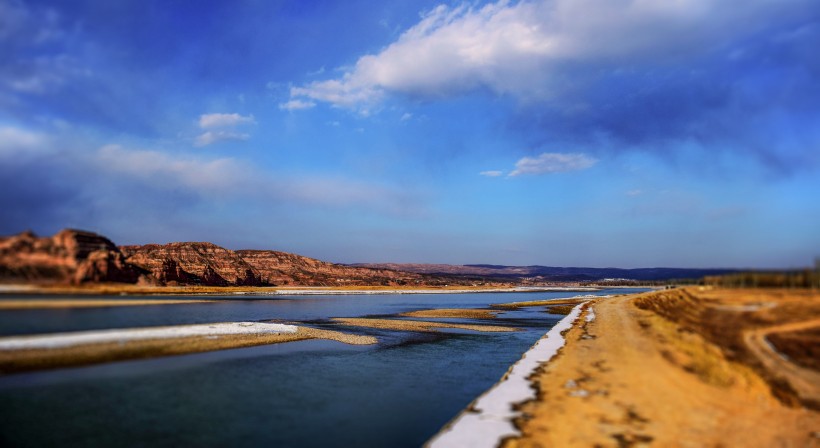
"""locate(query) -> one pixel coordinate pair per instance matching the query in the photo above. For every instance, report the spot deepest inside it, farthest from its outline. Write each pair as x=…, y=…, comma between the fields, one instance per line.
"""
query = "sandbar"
x=547, y=302
x=27, y=353
x=465, y=313
x=416, y=325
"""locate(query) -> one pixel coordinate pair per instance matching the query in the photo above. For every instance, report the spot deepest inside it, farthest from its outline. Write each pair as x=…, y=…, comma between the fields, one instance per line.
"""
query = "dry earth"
x=686, y=368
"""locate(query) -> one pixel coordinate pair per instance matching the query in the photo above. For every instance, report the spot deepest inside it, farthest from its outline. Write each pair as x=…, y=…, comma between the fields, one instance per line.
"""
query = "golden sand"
x=634, y=377
x=415, y=325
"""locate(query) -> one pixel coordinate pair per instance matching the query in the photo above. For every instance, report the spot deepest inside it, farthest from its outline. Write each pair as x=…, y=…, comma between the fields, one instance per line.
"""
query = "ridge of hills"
x=81, y=257
x=537, y=273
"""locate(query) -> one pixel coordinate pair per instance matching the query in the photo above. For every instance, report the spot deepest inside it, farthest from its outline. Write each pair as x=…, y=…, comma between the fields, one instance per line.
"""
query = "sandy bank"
x=25, y=353
x=465, y=313
x=416, y=325
x=670, y=373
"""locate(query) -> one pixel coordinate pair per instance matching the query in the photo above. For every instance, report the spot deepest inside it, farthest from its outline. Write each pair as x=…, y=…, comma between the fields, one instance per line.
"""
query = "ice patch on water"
x=58, y=340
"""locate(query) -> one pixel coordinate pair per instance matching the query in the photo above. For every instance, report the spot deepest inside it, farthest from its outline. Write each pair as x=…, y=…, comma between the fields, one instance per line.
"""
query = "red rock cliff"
x=70, y=256
x=193, y=263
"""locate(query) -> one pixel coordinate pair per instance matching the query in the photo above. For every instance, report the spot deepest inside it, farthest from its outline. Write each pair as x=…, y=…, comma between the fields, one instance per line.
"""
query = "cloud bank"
x=660, y=76
x=527, y=49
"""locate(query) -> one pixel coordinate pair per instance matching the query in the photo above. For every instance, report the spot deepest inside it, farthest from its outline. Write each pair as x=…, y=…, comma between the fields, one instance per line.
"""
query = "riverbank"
x=681, y=368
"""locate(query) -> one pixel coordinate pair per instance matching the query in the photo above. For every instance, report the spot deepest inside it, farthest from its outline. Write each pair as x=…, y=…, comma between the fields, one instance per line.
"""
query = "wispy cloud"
x=211, y=121
x=552, y=162
x=296, y=105
x=16, y=140
x=491, y=173
x=211, y=137
x=163, y=170
x=234, y=178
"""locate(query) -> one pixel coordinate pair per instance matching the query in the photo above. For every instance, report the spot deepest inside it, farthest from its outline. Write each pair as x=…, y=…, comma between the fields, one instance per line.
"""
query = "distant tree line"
x=786, y=279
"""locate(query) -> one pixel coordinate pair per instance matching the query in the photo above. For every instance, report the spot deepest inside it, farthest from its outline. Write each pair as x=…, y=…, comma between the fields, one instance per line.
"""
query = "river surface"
x=397, y=393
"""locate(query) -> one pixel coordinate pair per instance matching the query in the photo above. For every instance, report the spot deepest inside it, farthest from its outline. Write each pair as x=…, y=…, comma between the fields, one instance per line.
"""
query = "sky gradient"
x=623, y=133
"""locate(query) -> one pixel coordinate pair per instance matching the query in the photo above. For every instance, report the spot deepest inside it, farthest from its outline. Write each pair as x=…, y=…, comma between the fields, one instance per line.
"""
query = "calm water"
x=303, y=394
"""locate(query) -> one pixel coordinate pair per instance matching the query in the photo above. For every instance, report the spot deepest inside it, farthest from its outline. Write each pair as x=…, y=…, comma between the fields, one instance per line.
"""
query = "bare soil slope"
x=680, y=368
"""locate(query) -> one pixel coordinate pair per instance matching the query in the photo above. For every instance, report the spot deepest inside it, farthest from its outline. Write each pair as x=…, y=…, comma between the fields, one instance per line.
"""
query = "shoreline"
x=490, y=418
x=663, y=368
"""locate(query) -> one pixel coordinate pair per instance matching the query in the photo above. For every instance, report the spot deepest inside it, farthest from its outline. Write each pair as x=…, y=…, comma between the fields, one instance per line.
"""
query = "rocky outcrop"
x=193, y=263
x=282, y=268
x=70, y=256
x=75, y=256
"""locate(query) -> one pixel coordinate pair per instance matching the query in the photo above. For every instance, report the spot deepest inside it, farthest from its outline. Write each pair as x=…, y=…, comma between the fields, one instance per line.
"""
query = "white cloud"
x=406, y=116
x=635, y=192
x=526, y=49
x=296, y=105
x=160, y=169
x=231, y=179
x=552, y=162
x=15, y=140
x=210, y=121
x=491, y=173
x=211, y=137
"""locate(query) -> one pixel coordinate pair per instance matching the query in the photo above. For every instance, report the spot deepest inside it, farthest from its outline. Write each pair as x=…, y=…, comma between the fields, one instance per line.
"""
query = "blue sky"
x=557, y=132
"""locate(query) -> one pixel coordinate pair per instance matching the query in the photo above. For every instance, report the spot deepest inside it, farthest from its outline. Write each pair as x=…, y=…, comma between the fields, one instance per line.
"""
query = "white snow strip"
x=490, y=418
x=59, y=340
x=590, y=314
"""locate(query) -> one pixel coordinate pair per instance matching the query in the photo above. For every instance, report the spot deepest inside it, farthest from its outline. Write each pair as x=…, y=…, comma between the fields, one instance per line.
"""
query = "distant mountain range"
x=550, y=273
x=80, y=257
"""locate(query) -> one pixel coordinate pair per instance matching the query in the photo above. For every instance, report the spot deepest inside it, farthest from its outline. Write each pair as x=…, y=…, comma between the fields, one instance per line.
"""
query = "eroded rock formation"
x=70, y=256
x=75, y=256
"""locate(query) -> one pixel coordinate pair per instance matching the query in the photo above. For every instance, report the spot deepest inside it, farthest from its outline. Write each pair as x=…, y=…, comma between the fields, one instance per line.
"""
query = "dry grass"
x=732, y=320
x=802, y=347
x=560, y=309
x=415, y=325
